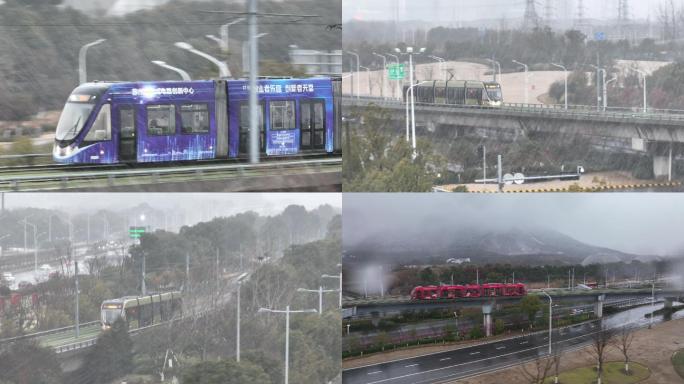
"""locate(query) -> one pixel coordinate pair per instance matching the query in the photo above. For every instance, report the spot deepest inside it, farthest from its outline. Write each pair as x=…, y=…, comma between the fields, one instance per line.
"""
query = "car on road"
x=46, y=268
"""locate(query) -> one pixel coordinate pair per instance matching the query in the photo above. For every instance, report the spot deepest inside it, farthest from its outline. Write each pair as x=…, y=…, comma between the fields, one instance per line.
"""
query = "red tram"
x=433, y=292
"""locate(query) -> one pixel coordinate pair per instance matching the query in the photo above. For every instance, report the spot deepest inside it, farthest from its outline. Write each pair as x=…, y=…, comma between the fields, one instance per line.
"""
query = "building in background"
x=312, y=62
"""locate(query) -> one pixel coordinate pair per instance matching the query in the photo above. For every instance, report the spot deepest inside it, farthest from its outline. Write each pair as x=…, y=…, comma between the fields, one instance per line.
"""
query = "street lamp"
x=441, y=64
x=394, y=89
x=384, y=70
x=82, y=74
x=410, y=52
x=184, y=75
x=494, y=62
x=643, y=75
x=335, y=277
x=225, y=46
x=566, y=82
x=413, y=116
x=237, y=338
x=526, y=79
x=287, y=312
x=601, y=71
x=605, y=94
x=358, y=70
x=370, y=86
x=320, y=292
x=550, y=318
x=223, y=68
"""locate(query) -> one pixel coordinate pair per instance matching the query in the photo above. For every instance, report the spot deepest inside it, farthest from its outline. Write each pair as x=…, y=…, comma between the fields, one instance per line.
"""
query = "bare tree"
x=600, y=342
x=538, y=370
x=623, y=343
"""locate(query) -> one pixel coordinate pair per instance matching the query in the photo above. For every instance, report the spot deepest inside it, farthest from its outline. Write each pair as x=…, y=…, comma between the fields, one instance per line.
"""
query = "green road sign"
x=135, y=232
x=396, y=71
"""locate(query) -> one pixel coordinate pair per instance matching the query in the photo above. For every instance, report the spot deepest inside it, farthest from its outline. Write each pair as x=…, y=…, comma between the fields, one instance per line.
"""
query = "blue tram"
x=142, y=122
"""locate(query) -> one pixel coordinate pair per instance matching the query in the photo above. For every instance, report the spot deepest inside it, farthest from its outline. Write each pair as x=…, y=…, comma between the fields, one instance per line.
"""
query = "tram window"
x=127, y=123
x=282, y=115
x=475, y=93
x=161, y=120
x=102, y=127
x=194, y=118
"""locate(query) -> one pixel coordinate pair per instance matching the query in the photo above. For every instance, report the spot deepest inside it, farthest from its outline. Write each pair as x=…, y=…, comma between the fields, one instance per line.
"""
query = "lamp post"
x=184, y=75
x=335, y=277
x=413, y=125
x=225, y=43
x=394, y=89
x=237, y=319
x=550, y=318
x=605, y=92
x=287, y=312
x=566, y=82
x=320, y=292
x=384, y=71
x=82, y=73
x=223, y=68
x=527, y=87
x=410, y=52
x=602, y=85
x=494, y=62
x=358, y=70
x=643, y=75
x=441, y=64
x=370, y=86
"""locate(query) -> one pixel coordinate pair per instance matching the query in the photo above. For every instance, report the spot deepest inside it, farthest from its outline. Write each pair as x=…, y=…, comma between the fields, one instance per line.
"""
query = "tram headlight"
x=63, y=151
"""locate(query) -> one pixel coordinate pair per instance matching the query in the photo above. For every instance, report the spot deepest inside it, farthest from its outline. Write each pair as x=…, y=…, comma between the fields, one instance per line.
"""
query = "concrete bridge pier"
x=487, y=312
x=668, y=302
x=598, y=306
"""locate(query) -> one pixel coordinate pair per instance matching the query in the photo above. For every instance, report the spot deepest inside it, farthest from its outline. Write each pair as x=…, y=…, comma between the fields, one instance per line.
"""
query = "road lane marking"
x=445, y=359
x=501, y=347
x=409, y=366
x=373, y=373
x=524, y=342
x=474, y=353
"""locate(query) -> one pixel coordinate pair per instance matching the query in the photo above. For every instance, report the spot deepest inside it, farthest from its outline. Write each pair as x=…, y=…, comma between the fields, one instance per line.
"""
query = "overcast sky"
x=221, y=203
x=636, y=223
x=467, y=10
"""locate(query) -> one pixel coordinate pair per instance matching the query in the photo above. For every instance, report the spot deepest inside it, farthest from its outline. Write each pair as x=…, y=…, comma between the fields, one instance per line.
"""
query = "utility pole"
x=144, y=289
x=78, y=330
x=217, y=271
x=187, y=272
x=253, y=74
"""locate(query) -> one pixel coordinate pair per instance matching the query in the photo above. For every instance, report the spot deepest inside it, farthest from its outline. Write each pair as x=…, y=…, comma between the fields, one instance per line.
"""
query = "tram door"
x=128, y=145
x=244, y=129
x=313, y=124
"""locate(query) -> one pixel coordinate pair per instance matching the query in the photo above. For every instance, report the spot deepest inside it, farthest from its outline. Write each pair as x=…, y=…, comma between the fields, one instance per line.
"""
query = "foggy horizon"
x=453, y=12
x=262, y=203
x=631, y=223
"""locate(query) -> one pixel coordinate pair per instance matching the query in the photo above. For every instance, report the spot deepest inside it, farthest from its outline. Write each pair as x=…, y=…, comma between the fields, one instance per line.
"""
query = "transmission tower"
x=623, y=17
x=548, y=12
x=579, y=21
x=531, y=19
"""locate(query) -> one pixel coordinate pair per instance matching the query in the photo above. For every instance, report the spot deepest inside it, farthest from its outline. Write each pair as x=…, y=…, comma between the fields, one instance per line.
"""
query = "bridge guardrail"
x=48, y=332
x=557, y=110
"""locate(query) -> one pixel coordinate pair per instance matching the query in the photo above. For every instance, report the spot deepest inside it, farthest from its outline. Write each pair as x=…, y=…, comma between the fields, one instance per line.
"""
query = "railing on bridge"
x=558, y=110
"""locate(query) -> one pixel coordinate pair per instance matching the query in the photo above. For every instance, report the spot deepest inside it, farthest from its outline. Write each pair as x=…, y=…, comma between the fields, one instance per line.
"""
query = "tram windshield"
x=72, y=120
x=494, y=94
x=109, y=316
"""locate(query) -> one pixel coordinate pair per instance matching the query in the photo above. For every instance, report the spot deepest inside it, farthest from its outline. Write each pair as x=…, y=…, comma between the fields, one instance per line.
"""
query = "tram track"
x=90, y=177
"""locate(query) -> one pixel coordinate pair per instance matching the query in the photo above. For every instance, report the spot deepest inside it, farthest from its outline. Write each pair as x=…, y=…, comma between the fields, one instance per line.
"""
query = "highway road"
x=464, y=362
